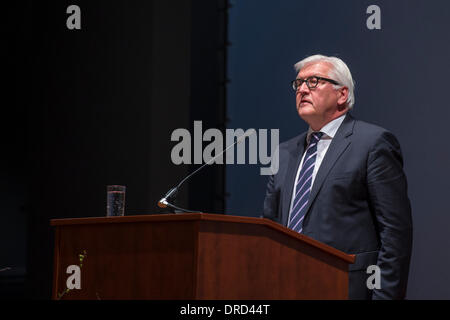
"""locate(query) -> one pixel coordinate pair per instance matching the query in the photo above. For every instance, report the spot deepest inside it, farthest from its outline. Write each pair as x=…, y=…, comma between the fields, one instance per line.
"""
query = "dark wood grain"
x=195, y=256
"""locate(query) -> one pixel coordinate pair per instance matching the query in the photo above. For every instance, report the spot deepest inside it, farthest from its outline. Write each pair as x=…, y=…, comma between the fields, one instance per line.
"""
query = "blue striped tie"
x=303, y=185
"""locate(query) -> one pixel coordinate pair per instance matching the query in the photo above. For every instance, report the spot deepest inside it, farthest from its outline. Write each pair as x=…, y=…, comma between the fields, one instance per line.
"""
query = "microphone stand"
x=171, y=194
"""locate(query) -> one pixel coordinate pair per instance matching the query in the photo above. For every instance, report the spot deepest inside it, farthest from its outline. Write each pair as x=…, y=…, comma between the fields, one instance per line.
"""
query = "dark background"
x=82, y=109
x=400, y=73
x=97, y=106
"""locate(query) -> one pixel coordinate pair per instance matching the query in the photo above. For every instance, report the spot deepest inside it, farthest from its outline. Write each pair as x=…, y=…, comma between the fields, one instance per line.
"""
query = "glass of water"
x=115, y=200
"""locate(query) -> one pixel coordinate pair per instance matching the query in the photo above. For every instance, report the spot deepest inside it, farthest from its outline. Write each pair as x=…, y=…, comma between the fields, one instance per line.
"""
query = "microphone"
x=171, y=194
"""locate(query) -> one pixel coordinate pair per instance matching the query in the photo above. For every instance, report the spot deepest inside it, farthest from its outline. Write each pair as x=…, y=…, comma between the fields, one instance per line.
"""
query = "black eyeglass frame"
x=293, y=82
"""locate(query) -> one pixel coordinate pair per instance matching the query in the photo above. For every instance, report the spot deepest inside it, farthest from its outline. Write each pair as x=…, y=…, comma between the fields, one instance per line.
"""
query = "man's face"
x=321, y=104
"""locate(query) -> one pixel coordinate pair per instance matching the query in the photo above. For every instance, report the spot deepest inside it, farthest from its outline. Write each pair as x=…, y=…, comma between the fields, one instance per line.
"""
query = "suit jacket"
x=358, y=203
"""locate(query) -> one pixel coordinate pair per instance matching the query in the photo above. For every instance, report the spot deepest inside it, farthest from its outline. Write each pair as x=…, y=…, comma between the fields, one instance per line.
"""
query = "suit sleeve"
x=389, y=200
x=271, y=200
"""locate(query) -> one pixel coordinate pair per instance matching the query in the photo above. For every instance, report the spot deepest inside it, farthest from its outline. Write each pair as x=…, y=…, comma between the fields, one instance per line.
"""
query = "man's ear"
x=342, y=96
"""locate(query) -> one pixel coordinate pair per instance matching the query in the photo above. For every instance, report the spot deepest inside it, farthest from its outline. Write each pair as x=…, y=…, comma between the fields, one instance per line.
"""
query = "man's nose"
x=303, y=88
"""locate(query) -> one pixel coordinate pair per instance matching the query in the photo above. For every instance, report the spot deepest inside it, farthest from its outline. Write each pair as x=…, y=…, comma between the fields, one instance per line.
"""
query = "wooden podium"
x=194, y=256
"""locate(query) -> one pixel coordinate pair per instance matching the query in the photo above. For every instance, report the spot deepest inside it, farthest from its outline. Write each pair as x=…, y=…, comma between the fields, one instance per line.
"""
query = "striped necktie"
x=303, y=185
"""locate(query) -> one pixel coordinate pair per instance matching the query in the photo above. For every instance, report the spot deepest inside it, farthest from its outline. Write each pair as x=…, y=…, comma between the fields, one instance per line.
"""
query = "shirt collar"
x=329, y=130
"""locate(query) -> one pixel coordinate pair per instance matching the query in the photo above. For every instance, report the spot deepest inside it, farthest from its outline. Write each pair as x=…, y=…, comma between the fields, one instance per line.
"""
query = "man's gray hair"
x=339, y=72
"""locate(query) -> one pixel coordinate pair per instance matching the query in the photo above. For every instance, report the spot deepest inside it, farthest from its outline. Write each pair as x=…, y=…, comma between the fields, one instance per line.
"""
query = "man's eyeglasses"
x=311, y=82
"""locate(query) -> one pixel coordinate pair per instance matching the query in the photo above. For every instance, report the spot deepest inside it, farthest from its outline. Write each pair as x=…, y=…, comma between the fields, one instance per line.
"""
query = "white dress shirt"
x=329, y=131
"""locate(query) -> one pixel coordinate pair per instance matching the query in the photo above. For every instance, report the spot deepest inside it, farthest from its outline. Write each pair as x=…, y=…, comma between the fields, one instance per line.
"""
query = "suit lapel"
x=295, y=156
x=338, y=145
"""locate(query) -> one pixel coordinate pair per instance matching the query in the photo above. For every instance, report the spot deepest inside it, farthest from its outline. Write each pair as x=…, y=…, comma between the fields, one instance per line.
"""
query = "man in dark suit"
x=342, y=181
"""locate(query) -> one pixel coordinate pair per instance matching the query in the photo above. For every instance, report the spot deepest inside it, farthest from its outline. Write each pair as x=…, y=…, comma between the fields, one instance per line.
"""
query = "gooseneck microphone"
x=172, y=193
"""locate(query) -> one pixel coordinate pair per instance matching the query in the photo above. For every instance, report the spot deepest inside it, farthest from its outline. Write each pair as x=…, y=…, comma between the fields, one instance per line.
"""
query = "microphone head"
x=162, y=203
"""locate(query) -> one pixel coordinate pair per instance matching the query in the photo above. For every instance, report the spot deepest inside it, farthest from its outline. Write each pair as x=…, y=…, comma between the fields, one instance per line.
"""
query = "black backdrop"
x=97, y=106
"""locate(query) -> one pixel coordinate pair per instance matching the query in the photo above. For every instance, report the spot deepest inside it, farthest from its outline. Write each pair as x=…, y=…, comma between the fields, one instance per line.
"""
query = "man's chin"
x=305, y=112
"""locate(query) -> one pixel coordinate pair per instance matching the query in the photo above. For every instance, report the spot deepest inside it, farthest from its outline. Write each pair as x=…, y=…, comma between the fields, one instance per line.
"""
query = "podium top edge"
x=146, y=217
x=170, y=217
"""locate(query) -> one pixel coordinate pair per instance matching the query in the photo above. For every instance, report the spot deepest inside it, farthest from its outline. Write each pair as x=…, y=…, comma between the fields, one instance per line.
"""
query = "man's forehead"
x=319, y=68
